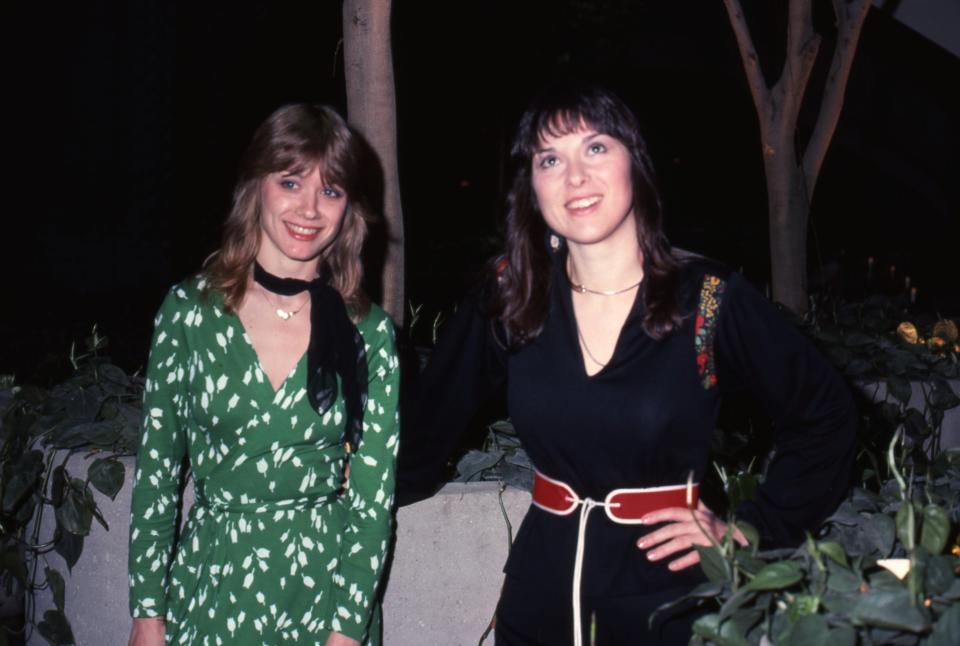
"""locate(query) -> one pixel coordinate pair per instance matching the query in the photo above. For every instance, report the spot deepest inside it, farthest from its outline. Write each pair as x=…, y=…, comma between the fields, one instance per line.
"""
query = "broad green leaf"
x=58, y=486
x=858, y=339
x=885, y=580
x=703, y=591
x=14, y=564
x=74, y=435
x=475, y=462
x=809, y=630
x=858, y=367
x=900, y=389
x=907, y=525
x=713, y=564
x=953, y=592
x=57, y=587
x=741, y=487
x=935, y=531
x=841, y=579
x=733, y=631
x=503, y=426
x=106, y=474
x=76, y=513
x=69, y=546
x=834, y=551
x=878, y=533
x=892, y=609
x=707, y=626
x=776, y=576
x=55, y=628
x=946, y=632
x=942, y=396
x=749, y=563
x=915, y=423
x=740, y=598
x=838, y=603
x=939, y=575
x=749, y=532
x=23, y=478
x=841, y=636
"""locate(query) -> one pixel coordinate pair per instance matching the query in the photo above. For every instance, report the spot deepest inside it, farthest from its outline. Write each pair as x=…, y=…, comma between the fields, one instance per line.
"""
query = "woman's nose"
x=311, y=204
x=576, y=173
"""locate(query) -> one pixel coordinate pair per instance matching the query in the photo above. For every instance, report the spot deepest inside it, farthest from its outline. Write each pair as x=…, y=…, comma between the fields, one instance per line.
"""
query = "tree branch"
x=850, y=19
x=803, y=45
x=751, y=64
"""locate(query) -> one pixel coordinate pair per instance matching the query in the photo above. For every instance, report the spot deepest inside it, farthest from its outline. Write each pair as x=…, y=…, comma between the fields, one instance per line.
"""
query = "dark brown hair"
x=296, y=138
x=522, y=297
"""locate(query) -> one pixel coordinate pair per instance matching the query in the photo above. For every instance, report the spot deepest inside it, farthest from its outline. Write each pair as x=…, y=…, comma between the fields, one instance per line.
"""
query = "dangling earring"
x=554, y=241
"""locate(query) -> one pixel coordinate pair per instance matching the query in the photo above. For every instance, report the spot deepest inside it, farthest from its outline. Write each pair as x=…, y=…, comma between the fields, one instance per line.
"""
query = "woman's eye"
x=329, y=191
x=548, y=162
x=288, y=183
x=596, y=148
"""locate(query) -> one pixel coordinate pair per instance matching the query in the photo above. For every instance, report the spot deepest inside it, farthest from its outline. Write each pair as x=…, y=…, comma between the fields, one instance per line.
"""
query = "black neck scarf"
x=336, y=349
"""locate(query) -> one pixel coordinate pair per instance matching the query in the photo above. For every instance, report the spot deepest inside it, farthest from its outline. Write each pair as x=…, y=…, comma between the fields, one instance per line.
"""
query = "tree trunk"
x=788, y=210
x=372, y=109
x=792, y=176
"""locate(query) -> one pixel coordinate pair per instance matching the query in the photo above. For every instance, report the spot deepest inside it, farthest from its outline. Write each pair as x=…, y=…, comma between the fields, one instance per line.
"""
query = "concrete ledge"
x=442, y=589
x=950, y=430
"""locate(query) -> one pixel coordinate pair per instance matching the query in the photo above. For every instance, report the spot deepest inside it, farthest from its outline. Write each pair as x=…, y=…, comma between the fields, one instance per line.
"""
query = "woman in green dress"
x=277, y=380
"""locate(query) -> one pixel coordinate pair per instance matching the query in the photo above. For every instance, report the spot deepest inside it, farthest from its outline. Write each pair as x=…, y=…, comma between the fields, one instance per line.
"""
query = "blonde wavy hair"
x=296, y=138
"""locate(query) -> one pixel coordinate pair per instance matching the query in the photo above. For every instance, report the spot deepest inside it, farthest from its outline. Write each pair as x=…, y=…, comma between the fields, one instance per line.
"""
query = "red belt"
x=624, y=506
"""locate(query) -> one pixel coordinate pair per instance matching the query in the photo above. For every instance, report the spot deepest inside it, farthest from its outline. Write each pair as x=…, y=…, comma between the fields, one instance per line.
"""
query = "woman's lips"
x=583, y=204
x=302, y=233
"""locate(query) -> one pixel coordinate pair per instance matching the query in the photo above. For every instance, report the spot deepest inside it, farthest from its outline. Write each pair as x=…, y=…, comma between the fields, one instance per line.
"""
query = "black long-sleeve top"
x=644, y=420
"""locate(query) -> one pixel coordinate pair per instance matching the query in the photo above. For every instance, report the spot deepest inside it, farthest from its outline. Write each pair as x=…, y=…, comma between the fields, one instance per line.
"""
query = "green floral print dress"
x=270, y=553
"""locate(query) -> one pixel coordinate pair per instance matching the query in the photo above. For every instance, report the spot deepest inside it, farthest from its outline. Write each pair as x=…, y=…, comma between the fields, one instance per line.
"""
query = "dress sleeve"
x=369, y=495
x=156, y=489
x=466, y=367
x=812, y=410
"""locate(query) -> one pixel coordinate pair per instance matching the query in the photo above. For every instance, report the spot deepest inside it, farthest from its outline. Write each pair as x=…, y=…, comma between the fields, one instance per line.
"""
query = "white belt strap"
x=586, y=506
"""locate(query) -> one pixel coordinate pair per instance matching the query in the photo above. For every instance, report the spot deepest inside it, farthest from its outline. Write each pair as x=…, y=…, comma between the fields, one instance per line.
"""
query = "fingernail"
x=653, y=556
x=641, y=544
x=672, y=566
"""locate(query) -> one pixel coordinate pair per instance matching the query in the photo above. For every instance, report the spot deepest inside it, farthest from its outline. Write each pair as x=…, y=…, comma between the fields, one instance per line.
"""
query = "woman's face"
x=299, y=216
x=583, y=186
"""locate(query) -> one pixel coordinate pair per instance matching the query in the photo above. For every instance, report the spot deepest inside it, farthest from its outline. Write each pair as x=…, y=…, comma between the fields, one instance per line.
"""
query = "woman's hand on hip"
x=149, y=631
x=339, y=639
x=682, y=533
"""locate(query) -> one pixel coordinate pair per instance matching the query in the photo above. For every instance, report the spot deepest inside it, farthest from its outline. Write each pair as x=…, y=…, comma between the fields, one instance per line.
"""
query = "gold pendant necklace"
x=284, y=314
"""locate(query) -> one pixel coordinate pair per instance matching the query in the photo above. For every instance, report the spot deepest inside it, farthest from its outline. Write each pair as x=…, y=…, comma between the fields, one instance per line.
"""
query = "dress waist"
x=219, y=505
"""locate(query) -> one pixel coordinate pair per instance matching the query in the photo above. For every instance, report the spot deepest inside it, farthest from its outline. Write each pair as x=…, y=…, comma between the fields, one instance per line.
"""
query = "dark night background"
x=129, y=118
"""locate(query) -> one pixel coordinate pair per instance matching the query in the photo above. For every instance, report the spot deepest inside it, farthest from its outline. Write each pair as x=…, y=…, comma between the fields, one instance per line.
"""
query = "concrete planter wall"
x=949, y=432
x=442, y=589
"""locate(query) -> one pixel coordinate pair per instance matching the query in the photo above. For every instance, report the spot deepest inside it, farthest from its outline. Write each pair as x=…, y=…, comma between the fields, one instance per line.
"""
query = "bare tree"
x=792, y=170
x=372, y=109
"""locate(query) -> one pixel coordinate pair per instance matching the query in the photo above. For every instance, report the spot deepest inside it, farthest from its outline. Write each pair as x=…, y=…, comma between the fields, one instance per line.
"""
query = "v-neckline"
x=258, y=364
x=567, y=298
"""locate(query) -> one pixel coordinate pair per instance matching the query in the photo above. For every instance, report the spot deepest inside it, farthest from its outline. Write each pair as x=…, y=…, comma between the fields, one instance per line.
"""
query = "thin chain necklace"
x=284, y=314
x=586, y=348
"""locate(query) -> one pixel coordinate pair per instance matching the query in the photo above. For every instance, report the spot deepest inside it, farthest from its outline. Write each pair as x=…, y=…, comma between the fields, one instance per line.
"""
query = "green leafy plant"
x=96, y=414
x=499, y=459
x=841, y=587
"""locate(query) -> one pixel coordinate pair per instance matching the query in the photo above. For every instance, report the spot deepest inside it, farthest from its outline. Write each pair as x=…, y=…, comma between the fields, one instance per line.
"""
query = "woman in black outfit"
x=615, y=350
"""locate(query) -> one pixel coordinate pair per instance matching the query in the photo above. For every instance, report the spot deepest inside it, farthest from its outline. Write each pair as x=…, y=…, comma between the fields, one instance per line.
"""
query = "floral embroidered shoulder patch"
x=706, y=329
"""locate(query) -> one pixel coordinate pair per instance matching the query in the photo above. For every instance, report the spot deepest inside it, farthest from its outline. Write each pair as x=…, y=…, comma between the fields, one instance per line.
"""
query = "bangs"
x=331, y=158
x=570, y=109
